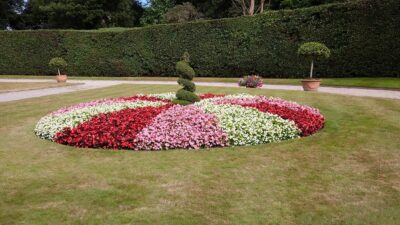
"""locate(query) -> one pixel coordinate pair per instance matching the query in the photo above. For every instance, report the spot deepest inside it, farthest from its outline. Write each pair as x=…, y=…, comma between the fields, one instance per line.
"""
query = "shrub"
x=186, y=74
x=182, y=94
x=58, y=64
x=314, y=51
x=362, y=36
x=181, y=102
x=252, y=81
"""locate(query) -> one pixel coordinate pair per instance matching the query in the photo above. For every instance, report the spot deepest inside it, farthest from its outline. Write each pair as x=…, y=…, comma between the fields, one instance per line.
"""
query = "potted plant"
x=59, y=64
x=313, y=51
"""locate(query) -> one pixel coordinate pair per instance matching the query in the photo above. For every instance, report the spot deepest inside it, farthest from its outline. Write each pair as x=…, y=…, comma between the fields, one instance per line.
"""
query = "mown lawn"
x=346, y=174
x=9, y=86
x=366, y=82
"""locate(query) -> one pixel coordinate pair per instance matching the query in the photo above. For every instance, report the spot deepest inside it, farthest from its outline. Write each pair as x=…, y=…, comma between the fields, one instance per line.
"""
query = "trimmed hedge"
x=362, y=35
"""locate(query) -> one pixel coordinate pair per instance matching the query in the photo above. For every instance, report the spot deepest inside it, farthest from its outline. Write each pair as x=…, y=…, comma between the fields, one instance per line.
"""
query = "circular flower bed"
x=152, y=122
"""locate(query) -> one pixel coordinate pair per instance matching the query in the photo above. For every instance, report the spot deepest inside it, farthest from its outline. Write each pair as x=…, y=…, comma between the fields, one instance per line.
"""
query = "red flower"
x=210, y=95
x=143, y=98
x=307, y=121
x=115, y=130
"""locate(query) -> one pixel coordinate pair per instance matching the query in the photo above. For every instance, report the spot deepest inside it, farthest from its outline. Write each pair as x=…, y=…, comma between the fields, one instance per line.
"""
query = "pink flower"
x=182, y=127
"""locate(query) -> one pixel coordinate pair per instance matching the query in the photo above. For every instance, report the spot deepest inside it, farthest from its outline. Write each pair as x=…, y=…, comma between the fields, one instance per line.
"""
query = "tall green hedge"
x=363, y=36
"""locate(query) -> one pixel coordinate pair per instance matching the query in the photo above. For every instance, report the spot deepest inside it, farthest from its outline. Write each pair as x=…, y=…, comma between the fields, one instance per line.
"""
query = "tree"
x=80, y=14
x=9, y=13
x=314, y=51
x=186, y=73
x=155, y=10
x=122, y=13
x=213, y=8
x=58, y=64
x=182, y=13
x=250, y=7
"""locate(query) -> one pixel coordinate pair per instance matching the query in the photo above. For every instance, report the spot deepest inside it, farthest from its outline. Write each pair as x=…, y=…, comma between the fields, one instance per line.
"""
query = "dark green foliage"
x=214, y=8
x=314, y=51
x=28, y=52
x=362, y=35
x=185, y=70
x=181, y=102
x=78, y=14
x=182, y=13
x=186, y=74
x=182, y=94
x=9, y=13
x=155, y=12
x=187, y=84
x=58, y=63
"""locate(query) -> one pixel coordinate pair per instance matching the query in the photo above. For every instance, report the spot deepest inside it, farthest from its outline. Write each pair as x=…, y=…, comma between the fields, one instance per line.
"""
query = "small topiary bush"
x=186, y=73
x=58, y=64
x=314, y=51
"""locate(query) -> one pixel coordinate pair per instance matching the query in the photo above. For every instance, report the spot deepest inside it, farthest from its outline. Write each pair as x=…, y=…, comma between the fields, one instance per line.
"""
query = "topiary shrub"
x=186, y=73
x=314, y=51
x=58, y=64
x=180, y=102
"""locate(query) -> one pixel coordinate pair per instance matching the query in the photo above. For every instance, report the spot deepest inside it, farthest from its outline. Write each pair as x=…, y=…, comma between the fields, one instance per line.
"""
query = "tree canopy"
x=92, y=14
x=9, y=12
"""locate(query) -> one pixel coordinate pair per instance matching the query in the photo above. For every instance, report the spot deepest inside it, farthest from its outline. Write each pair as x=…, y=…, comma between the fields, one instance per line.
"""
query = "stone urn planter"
x=62, y=78
x=311, y=84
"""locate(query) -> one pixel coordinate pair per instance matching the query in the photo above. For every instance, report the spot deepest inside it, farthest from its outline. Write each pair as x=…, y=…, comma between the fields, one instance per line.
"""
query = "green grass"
x=366, y=82
x=9, y=86
x=346, y=174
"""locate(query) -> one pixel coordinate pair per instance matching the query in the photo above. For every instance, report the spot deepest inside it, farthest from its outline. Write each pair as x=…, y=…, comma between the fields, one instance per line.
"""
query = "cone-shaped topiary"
x=186, y=73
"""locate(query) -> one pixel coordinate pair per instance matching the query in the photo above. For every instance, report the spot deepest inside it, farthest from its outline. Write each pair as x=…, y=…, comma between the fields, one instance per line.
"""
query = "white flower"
x=248, y=126
x=50, y=125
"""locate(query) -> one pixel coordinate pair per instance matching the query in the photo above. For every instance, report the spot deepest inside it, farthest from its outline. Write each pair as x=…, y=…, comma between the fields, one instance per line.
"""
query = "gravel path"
x=93, y=84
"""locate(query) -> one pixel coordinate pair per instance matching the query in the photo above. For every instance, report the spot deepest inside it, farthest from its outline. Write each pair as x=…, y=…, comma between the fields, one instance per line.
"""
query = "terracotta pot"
x=311, y=84
x=61, y=78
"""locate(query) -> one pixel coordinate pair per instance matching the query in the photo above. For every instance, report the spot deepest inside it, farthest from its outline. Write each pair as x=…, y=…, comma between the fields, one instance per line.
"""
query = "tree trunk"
x=58, y=72
x=251, y=9
x=262, y=6
x=249, y=6
x=244, y=8
x=312, y=68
